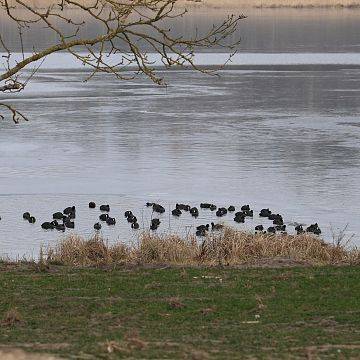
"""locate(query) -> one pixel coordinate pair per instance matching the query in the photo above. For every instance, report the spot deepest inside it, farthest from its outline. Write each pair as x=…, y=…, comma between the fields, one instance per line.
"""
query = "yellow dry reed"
x=229, y=247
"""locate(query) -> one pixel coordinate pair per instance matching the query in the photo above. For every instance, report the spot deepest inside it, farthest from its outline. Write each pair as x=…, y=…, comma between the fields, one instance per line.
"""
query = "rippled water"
x=285, y=137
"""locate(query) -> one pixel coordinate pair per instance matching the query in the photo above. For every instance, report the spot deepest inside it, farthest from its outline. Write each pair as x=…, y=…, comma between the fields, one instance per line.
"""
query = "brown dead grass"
x=175, y=303
x=11, y=318
x=130, y=342
x=230, y=247
x=77, y=251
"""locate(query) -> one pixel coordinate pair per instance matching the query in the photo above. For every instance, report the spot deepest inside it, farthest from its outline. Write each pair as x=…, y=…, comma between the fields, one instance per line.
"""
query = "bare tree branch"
x=129, y=28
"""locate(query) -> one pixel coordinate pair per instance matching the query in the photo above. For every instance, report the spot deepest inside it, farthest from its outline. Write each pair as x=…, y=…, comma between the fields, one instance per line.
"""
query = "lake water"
x=279, y=128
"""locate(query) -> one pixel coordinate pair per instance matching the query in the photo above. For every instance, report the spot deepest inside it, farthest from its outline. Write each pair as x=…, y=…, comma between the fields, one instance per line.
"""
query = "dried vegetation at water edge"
x=228, y=247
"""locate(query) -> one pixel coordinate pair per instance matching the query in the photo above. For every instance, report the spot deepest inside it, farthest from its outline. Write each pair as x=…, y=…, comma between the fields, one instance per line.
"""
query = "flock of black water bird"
x=65, y=219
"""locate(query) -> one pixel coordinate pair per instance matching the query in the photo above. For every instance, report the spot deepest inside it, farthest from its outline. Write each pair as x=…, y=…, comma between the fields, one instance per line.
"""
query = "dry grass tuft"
x=237, y=247
x=166, y=249
x=130, y=343
x=114, y=347
x=175, y=303
x=230, y=247
x=134, y=342
x=11, y=318
x=207, y=311
x=77, y=251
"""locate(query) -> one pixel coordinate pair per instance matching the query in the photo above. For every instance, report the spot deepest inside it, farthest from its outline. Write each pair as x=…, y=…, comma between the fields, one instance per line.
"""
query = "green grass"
x=190, y=313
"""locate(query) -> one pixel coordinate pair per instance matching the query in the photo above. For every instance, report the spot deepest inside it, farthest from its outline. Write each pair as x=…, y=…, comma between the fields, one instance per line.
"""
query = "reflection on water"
x=284, y=139
x=265, y=30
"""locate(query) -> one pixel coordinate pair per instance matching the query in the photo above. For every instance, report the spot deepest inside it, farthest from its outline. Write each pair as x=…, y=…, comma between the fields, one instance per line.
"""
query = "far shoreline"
x=240, y=4
x=273, y=4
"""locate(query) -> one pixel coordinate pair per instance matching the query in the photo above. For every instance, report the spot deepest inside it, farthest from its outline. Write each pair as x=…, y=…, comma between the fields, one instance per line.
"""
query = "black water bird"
x=259, y=228
x=149, y=204
x=265, y=213
x=280, y=227
x=205, y=206
x=182, y=207
x=231, y=208
x=60, y=227
x=158, y=208
x=132, y=218
x=274, y=216
x=194, y=212
x=69, y=224
x=103, y=217
x=26, y=216
x=314, y=228
x=97, y=226
x=69, y=210
x=111, y=221
x=155, y=223
x=249, y=213
x=299, y=229
x=105, y=208
x=32, y=220
x=70, y=216
x=135, y=225
x=221, y=212
x=47, y=226
x=271, y=230
x=245, y=208
x=239, y=217
x=200, y=233
x=176, y=212
x=154, y=226
x=128, y=213
x=92, y=205
x=278, y=221
x=216, y=226
x=203, y=227
x=212, y=207
x=58, y=216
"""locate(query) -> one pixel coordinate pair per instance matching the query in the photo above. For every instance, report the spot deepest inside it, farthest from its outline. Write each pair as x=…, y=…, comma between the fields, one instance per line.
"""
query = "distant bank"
x=275, y=3
x=238, y=4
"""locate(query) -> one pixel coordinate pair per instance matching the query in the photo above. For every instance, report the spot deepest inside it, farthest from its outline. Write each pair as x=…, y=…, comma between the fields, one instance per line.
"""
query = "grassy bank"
x=193, y=313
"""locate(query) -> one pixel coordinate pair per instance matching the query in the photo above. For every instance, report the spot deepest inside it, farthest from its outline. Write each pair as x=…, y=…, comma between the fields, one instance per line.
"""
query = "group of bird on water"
x=65, y=219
